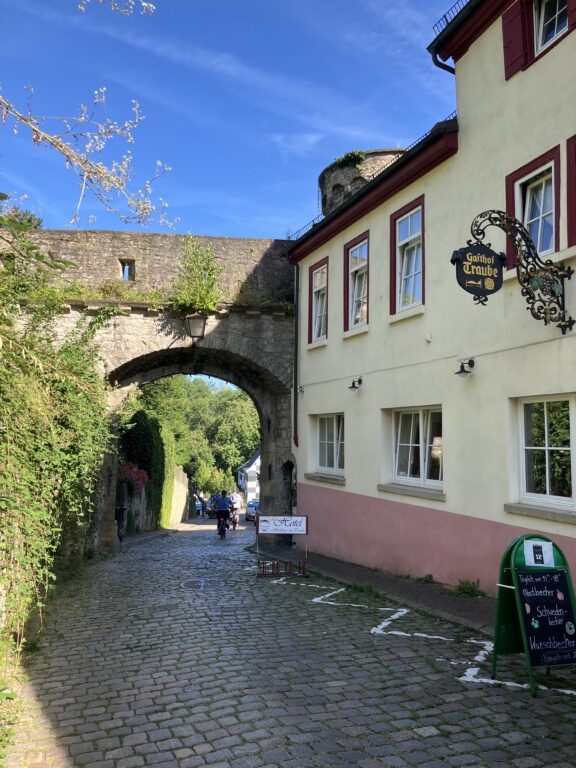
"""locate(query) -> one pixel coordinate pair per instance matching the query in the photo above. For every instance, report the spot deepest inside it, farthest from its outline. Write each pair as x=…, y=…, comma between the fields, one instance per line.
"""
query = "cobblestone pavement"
x=174, y=654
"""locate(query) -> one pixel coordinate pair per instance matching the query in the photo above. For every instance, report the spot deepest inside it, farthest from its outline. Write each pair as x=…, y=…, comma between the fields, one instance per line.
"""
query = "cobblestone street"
x=175, y=654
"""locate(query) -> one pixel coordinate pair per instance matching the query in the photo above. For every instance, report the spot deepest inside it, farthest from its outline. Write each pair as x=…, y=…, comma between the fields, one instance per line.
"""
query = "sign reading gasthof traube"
x=479, y=270
x=293, y=524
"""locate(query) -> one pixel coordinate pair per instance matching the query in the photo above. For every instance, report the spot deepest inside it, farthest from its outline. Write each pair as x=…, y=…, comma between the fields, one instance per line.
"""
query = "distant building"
x=249, y=478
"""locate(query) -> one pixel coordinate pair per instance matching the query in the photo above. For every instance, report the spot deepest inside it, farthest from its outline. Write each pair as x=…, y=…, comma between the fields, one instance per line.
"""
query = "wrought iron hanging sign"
x=479, y=270
x=541, y=282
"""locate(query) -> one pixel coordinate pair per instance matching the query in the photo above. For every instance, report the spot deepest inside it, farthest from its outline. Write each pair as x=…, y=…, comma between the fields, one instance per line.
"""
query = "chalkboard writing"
x=544, y=600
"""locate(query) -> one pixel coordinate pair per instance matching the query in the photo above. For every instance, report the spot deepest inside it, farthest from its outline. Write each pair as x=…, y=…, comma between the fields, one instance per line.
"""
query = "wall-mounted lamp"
x=465, y=368
x=356, y=383
x=300, y=388
x=196, y=325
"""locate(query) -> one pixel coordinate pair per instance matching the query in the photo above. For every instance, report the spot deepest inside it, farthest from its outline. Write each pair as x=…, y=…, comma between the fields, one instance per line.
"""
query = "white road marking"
x=471, y=675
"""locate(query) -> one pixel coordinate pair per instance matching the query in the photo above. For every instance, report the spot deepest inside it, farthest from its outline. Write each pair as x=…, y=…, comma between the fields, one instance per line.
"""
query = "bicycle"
x=222, y=526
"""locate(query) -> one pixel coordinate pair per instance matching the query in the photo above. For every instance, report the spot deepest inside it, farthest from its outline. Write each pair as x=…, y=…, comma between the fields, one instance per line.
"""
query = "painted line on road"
x=472, y=672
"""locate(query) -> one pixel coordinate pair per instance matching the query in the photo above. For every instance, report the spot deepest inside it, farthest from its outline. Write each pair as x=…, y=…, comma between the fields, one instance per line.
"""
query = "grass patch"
x=466, y=588
x=366, y=589
x=9, y=709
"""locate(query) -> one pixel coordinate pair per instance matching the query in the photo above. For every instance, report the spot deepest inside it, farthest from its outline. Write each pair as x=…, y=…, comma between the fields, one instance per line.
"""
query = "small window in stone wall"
x=128, y=270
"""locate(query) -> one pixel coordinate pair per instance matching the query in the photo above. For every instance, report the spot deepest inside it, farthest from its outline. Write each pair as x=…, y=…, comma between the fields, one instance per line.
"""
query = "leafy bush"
x=196, y=288
x=54, y=432
x=354, y=158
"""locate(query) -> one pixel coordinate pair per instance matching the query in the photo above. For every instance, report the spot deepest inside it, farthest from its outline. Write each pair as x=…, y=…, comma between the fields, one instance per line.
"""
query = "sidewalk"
x=430, y=597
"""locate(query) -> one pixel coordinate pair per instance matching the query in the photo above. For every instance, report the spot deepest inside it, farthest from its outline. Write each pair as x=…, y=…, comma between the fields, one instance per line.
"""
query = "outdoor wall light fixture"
x=465, y=368
x=356, y=383
x=300, y=388
x=196, y=325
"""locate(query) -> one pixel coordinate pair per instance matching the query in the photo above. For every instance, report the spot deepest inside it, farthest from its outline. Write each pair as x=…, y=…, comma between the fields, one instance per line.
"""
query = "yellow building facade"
x=403, y=465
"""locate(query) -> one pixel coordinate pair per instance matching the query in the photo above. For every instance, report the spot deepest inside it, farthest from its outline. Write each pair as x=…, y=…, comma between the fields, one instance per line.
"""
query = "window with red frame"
x=407, y=257
x=356, y=282
x=531, y=27
x=533, y=197
x=318, y=302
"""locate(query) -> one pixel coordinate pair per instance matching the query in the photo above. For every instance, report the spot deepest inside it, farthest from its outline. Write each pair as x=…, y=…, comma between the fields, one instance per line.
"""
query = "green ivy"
x=141, y=442
x=54, y=432
x=169, y=444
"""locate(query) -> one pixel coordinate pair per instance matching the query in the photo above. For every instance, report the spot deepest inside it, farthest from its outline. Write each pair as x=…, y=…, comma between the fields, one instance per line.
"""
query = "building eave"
x=466, y=27
x=436, y=147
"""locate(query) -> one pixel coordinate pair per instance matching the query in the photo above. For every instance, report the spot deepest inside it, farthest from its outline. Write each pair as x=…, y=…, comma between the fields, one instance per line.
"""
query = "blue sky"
x=246, y=101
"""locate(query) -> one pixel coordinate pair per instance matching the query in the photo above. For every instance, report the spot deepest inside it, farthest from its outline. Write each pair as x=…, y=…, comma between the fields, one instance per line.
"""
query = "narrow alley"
x=174, y=654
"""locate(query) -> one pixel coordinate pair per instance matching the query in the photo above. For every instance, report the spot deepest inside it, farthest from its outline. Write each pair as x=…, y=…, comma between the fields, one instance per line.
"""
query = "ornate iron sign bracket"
x=542, y=282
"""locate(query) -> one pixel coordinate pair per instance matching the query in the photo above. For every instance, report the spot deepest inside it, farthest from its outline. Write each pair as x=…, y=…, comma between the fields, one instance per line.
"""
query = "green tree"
x=215, y=430
x=235, y=430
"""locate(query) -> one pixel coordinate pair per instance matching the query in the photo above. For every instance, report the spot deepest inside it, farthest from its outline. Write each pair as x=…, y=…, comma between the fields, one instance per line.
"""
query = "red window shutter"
x=571, y=4
x=310, y=303
x=515, y=40
x=571, y=189
x=346, y=302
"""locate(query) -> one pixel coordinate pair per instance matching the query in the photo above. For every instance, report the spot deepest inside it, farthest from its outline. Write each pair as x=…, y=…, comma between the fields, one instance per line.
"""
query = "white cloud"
x=298, y=144
x=317, y=107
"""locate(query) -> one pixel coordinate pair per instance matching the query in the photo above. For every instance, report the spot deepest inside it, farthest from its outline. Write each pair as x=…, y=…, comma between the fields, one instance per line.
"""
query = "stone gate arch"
x=252, y=352
x=250, y=345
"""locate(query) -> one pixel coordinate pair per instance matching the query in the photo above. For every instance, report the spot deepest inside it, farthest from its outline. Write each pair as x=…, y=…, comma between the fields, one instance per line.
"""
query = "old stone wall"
x=250, y=344
x=180, y=498
x=339, y=181
x=250, y=265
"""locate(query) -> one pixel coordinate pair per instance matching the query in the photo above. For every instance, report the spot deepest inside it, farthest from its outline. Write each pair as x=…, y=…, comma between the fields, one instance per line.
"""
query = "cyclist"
x=223, y=506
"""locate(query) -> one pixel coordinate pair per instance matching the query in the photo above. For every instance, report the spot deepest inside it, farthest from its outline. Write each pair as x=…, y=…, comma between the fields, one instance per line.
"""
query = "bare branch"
x=91, y=136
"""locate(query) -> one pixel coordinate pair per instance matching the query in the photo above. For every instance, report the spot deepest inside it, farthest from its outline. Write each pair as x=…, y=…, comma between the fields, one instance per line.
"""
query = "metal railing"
x=401, y=152
x=442, y=23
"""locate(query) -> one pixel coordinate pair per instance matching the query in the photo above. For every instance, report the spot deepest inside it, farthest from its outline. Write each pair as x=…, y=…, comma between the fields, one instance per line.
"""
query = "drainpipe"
x=440, y=64
x=296, y=339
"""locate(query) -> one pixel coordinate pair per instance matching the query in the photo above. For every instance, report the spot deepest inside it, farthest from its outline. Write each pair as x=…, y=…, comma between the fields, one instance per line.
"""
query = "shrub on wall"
x=53, y=434
x=169, y=444
x=141, y=445
x=196, y=287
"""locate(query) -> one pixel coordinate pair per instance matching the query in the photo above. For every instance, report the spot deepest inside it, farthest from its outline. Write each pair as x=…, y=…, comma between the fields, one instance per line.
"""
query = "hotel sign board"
x=479, y=270
x=291, y=524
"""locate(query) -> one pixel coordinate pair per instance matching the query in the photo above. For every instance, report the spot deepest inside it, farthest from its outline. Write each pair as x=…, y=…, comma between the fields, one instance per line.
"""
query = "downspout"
x=296, y=341
x=440, y=64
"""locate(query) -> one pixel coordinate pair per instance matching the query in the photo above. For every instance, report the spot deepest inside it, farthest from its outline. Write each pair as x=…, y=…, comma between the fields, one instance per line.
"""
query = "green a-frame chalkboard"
x=535, y=609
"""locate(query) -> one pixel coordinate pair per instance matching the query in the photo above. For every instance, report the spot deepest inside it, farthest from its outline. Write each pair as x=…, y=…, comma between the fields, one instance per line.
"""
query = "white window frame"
x=403, y=248
x=539, y=14
x=547, y=499
x=424, y=444
x=320, y=305
x=358, y=286
x=337, y=443
x=523, y=191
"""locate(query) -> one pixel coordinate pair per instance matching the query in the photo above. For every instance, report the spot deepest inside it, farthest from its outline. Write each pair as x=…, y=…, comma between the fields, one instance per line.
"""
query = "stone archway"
x=251, y=351
x=250, y=345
